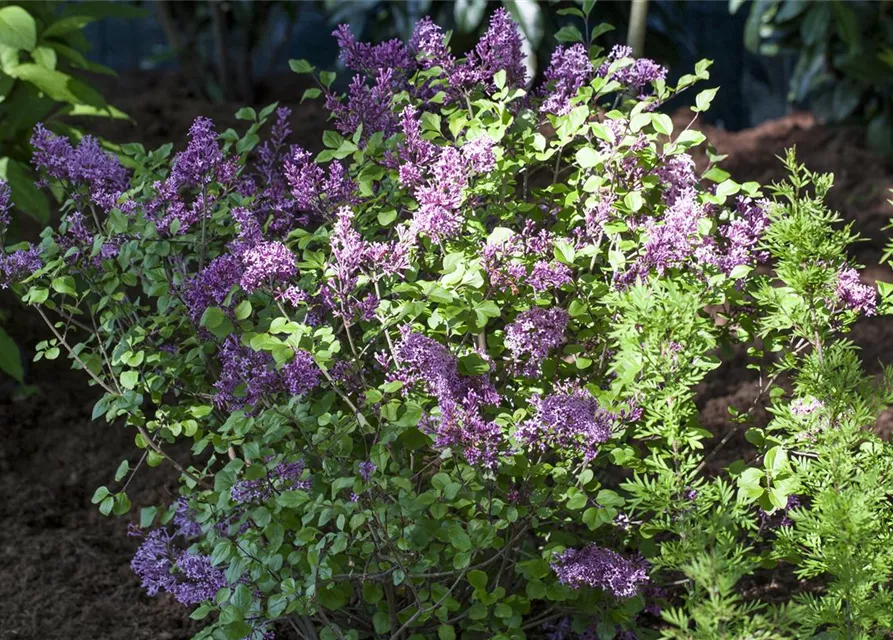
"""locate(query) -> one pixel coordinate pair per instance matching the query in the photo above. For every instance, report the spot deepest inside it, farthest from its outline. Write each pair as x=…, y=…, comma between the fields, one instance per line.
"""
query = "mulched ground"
x=64, y=570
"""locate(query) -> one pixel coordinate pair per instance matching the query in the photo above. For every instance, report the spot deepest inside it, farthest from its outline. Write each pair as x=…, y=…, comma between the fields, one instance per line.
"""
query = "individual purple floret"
x=569, y=421
x=854, y=295
x=601, y=568
x=267, y=264
x=569, y=70
x=533, y=335
x=367, y=468
x=301, y=374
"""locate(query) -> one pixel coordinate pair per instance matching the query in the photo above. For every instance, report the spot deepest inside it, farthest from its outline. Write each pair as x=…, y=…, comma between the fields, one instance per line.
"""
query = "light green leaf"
x=17, y=28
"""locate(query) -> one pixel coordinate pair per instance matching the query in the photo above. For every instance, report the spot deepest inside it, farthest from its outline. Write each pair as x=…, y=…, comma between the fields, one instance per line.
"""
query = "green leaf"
x=66, y=25
x=569, y=33
x=662, y=123
x=123, y=468
x=10, y=358
x=478, y=579
x=57, y=85
x=17, y=28
x=100, y=494
x=246, y=113
x=381, y=621
x=25, y=194
x=473, y=365
x=587, y=157
x=446, y=632
x=704, y=98
x=300, y=66
x=129, y=379
x=243, y=310
x=106, y=506
x=565, y=252
x=311, y=94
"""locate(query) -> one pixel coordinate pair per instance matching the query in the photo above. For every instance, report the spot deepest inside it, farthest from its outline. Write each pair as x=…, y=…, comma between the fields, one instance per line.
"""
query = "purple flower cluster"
x=314, y=190
x=601, y=568
x=460, y=398
x=635, y=76
x=301, y=375
x=738, y=239
x=415, y=154
x=184, y=520
x=569, y=70
x=285, y=476
x=367, y=468
x=211, y=286
x=499, y=49
x=533, y=335
x=366, y=106
x=441, y=197
x=18, y=265
x=5, y=204
x=189, y=577
x=86, y=164
x=568, y=421
x=854, y=295
x=267, y=263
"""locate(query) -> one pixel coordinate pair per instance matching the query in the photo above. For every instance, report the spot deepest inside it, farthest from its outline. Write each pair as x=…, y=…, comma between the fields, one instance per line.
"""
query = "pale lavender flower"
x=152, y=563
x=268, y=263
x=801, y=407
x=677, y=173
x=533, y=335
x=601, y=568
x=854, y=295
x=479, y=155
x=569, y=70
x=441, y=197
x=739, y=237
x=427, y=45
x=313, y=189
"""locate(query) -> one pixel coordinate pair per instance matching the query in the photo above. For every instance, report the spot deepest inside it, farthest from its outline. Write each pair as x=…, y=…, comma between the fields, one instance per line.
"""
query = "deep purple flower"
x=414, y=153
x=211, y=286
x=366, y=106
x=268, y=263
x=313, y=189
x=499, y=49
x=198, y=164
x=184, y=520
x=370, y=59
x=18, y=265
x=197, y=579
x=601, y=568
x=246, y=376
x=569, y=70
x=568, y=421
x=533, y=335
x=549, y=275
x=152, y=563
x=285, y=476
x=5, y=204
x=854, y=295
x=301, y=374
x=634, y=76
x=367, y=468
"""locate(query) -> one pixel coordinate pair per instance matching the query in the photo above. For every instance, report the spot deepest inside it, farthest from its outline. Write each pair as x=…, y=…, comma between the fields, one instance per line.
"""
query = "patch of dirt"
x=64, y=568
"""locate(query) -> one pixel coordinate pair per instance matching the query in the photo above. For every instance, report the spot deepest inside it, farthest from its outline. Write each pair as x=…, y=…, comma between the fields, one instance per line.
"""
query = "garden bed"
x=65, y=570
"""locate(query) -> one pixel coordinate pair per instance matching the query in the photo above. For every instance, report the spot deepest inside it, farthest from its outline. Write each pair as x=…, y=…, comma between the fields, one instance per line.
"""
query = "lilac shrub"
x=442, y=378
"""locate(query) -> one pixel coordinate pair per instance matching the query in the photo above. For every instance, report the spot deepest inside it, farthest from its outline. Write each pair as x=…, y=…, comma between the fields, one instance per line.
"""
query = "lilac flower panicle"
x=854, y=295
x=197, y=165
x=211, y=286
x=533, y=335
x=635, y=76
x=569, y=421
x=569, y=70
x=268, y=263
x=479, y=155
x=198, y=580
x=246, y=376
x=427, y=45
x=184, y=520
x=499, y=49
x=369, y=106
x=549, y=275
x=152, y=563
x=18, y=265
x=370, y=59
x=285, y=476
x=441, y=197
x=367, y=468
x=5, y=204
x=601, y=568
x=302, y=374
